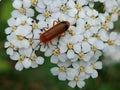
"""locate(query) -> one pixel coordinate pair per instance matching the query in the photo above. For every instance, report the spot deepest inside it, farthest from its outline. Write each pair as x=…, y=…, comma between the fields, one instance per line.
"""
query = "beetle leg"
x=45, y=29
x=52, y=43
x=62, y=35
x=55, y=22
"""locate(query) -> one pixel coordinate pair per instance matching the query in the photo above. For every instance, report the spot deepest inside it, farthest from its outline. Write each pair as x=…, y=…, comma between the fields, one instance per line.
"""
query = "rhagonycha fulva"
x=54, y=31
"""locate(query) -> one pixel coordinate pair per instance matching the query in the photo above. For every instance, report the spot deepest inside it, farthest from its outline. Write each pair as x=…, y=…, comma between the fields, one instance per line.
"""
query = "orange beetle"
x=54, y=31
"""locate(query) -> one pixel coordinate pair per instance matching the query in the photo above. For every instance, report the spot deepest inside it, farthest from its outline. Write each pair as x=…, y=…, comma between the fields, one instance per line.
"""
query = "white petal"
x=62, y=57
x=47, y=2
x=103, y=35
x=9, y=51
x=7, y=44
x=34, y=64
x=98, y=65
x=80, y=84
x=113, y=35
x=75, y=58
x=72, y=84
x=19, y=66
x=26, y=63
x=71, y=73
x=63, y=49
x=17, y=4
x=70, y=54
x=40, y=60
x=71, y=3
x=54, y=59
x=21, y=44
x=85, y=47
x=26, y=51
x=30, y=12
x=15, y=56
x=8, y=30
x=72, y=12
x=11, y=22
x=77, y=48
x=26, y=3
x=100, y=45
x=16, y=13
x=76, y=64
x=89, y=70
x=23, y=30
x=54, y=71
x=117, y=42
x=42, y=23
x=94, y=74
x=62, y=76
x=88, y=56
x=43, y=48
x=48, y=52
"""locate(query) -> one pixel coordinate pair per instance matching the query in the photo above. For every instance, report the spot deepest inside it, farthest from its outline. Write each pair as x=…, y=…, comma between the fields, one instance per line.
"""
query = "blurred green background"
x=41, y=78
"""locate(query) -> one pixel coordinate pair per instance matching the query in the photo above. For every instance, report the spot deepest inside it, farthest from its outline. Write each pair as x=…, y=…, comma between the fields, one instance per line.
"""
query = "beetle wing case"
x=54, y=31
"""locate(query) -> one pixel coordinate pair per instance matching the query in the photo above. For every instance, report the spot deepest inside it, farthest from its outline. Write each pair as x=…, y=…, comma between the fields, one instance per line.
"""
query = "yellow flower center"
x=22, y=10
x=110, y=42
x=76, y=16
x=19, y=37
x=94, y=48
x=11, y=45
x=47, y=13
x=30, y=41
x=70, y=45
x=93, y=17
x=78, y=7
x=62, y=68
x=13, y=28
x=85, y=39
x=81, y=69
x=33, y=58
x=56, y=51
x=96, y=36
x=63, y=7
x=104, y=25
x=114, y=10
x=81, y=55
x=87, y=26
x=71, y=32
x=108, y=18
x=34, y=25
x=34, y=2
x=93, y=66
x=22, y=57
x=23, y=22
x=76, y=78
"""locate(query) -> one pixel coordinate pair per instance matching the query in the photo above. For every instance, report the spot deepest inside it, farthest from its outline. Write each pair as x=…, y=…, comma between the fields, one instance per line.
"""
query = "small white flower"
x=112, y=42
x=22, y=8
x=81, y=66
x=75, y=79
x=92, y=69
x=66, y=45
x=61, y=70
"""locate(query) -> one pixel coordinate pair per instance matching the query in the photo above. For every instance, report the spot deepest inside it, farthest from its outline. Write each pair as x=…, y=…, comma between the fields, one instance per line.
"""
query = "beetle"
x=54, y=31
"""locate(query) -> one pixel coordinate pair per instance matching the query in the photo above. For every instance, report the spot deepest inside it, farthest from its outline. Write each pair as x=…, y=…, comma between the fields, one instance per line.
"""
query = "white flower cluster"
x=76, y=54
x=22, y=36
